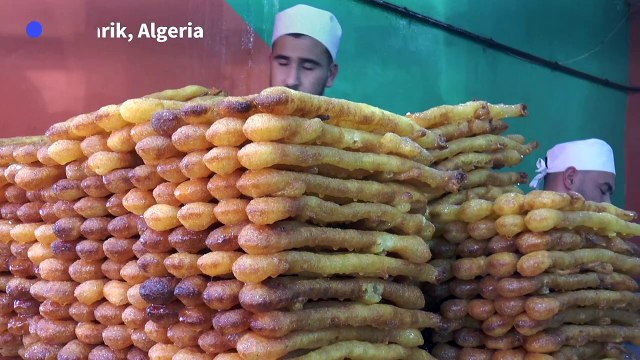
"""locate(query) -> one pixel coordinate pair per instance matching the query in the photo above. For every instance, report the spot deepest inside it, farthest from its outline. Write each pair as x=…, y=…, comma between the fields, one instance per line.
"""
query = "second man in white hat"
x=304, y=46
x=584, y=166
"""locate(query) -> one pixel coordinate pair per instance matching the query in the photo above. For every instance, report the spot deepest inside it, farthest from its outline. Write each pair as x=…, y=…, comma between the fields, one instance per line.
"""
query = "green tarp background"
x=403, y=65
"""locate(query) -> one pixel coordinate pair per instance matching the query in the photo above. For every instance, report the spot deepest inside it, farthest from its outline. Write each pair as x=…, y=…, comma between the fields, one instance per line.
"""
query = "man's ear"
x=569, y=178
x=333, y=72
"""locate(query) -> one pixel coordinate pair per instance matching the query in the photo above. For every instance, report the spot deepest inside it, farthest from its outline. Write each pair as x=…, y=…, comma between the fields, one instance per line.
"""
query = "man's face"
x=595, y=185
x=301, y=63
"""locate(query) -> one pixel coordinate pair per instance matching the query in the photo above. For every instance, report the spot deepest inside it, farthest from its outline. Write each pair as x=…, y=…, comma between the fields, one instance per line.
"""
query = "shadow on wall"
x=22, y=101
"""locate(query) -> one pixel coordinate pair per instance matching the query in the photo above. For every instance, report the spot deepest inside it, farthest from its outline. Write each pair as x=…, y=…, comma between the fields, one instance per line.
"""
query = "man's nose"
x=293, y=78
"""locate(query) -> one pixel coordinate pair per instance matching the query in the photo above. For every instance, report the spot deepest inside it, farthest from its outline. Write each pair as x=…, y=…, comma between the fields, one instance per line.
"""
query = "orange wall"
x=94, y=72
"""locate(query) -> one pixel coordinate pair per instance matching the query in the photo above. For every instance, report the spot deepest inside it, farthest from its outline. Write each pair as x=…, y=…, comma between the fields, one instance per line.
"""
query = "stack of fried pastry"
x=68, y=241
x=504, y=255
x=475, y=143
x=556, y=276
x=283, y=224
x=188, y=225
x=335, y=241
x=19, y=210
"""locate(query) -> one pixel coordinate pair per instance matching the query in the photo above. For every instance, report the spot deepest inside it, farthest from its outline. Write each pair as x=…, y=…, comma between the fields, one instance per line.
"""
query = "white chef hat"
x=591, y=154
x=303, y=19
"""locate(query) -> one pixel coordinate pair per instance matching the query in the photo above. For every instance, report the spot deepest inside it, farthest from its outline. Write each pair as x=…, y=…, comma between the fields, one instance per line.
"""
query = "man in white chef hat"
x=584, y=166
x=304, y=46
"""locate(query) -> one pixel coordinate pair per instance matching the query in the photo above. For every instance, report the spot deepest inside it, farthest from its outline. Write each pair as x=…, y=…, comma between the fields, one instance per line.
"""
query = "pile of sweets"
x=538, y=276
x=191, y=225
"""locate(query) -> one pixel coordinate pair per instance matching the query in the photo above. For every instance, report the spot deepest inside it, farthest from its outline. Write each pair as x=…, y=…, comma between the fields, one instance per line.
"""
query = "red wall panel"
x=95, y=72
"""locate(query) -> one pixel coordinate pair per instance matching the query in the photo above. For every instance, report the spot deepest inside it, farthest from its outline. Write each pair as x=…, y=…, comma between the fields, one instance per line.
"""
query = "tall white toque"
x=591, y=154
x=303, y=19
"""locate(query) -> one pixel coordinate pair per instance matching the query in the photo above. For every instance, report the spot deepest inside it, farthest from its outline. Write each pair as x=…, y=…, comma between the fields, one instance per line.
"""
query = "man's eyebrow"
x=310, y=61
x=302, y=60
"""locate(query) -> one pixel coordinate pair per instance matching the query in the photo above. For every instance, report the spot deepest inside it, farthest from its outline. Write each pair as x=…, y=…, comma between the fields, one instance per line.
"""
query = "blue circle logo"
x=34, y=29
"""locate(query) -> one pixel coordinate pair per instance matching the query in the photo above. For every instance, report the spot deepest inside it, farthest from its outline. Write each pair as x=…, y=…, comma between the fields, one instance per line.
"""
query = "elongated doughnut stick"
x=495, y=160
x=35, y=178
x=336, y=314
x=265, y=182
x=499, y=243
x=450, y=114
x=470, y=211
x=454, y=232
x=445, y=332
x=614, y=244
x=471, y=248
x=254, y=346
x=582, y=315
x=226, y=132
x=270, y=239
x=361, y=350
x=137, y=111
x=507, y=346
x=240, y=107
x=509, y=306
x=510, y=225
x=499, y=265
x=263, y=155
x=572, y=201
x=278, y=293
x=481, y=309
x=283, y=101
x=445, y=351
x=191, y=138
x=296, y=130
x=578, y=203
x=104, y=162
x=23, y=140
x=481, y=143
x=529, y=242
x=591, y=350
x=509, y=204
x=470, y=128
x=490, y=193
x=442, y=249
x=537, y=262
x=576, y=335
x=501, y=111
x=166, y=122
x=455, y=309
x=270, y=210
x=497, y=325
x=545, y=307
x=65, y=151
x=218, y=263
x=514, y=287
x=468, y=338
x=223, y=160
x=257, y=268
x=27, y=154
x=202, y=112
x=184, y=93
x=475, y=353
x=154, y=149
